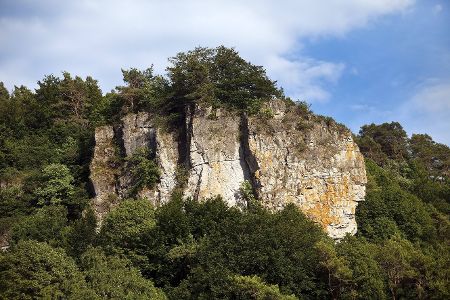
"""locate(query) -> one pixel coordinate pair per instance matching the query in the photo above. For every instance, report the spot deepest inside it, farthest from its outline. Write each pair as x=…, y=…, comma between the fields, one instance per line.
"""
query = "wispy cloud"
x=428, y=110
x=433, y=97
x=100, y=37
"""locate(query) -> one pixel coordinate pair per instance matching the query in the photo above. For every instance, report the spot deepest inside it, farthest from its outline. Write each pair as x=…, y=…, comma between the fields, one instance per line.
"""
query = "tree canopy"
x=219, y=76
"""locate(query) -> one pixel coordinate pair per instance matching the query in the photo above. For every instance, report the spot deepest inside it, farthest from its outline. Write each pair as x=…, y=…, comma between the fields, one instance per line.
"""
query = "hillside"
x=209, y=183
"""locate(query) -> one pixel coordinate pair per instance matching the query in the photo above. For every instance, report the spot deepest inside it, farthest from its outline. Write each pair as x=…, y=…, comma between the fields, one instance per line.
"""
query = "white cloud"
x=433, y=98
x=99, y=38
x=428, y=110
x=304, y=78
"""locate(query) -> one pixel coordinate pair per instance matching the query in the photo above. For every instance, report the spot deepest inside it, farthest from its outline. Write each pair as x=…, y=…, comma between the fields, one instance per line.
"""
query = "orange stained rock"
x=335, y=194
x=350, y=151
x=321, y=213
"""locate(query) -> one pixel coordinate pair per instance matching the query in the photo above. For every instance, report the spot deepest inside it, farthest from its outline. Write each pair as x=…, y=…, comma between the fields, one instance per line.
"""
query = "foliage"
x=398, y=258
x=243, y=243
x=125, y=229
x=57, y=185
x=81, y=234
x=143, y=170
x=429, y=188
x=144, y=90
x=367, y=279
x=13, y=202
x=380, y=142
x=220, y=76
x=252, y=287
x=45, y=225
x=434, y=156
x=389, y=209
x=35, y=270
x=111, y=277
x=336, y=269
x=248, y=195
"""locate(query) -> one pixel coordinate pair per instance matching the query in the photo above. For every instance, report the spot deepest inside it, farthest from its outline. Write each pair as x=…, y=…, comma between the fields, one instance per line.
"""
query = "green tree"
x=390, y=138
x=172, y=229
x=45, y=225
x=434, y=189
x=389, y=208
x=252, y=287
x=78, y=97
x=125, y=229
x=434, y=156
x=34, y=270
x=220, y=76
x=48, y=101
x=143, y=90
x=112, y=277
x=13, y=202
x=367, y=280
x=396, y=258
x=4, y=94
x=57, y=186
x=277, y=247
x=336, y=268
x=81, y=234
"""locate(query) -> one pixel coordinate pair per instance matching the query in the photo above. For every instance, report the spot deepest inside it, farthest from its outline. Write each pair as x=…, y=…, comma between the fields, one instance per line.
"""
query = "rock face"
x=310, y=163
x=138, y=132
x=216, y=155
x=109, y=175
x=287, y=154
x=167, y=159
x=104, y=171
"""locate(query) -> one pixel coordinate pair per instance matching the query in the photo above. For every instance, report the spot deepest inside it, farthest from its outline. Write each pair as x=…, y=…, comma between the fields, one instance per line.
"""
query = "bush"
x=143, y=170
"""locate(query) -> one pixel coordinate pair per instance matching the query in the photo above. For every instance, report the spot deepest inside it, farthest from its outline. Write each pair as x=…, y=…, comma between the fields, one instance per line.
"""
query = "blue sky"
x=359, y=61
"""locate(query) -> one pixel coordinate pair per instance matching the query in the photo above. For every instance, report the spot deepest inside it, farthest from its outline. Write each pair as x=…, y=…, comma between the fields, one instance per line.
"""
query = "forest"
x=186, y=249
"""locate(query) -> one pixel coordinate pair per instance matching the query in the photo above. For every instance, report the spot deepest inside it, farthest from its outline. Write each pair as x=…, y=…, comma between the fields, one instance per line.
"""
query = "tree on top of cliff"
x=219, y=76
x=143, y=89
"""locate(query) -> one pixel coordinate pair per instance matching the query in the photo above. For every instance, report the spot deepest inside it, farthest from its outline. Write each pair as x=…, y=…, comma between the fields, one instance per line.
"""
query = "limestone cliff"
x=305, y=161
x=216, y=156
x=109, y=175
x=104, y=171
x=288, y=156
x=139, y=131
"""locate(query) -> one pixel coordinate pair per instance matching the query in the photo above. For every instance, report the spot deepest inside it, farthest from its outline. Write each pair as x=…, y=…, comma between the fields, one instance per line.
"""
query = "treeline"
x=421, y=165
x=190, y=250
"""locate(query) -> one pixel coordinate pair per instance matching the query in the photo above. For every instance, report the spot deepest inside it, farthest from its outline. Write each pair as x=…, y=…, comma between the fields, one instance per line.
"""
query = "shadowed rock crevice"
x=248, y=160
x=184, y=137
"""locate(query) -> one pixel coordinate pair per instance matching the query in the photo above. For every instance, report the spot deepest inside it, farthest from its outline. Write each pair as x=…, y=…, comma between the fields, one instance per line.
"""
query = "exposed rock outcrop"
x=288, y=155
x=305, y=161
x=167, y=158
x=138, y=132
x=104, y=171
x=216, y=155
x=109, y=174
